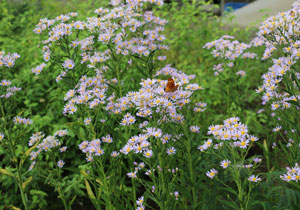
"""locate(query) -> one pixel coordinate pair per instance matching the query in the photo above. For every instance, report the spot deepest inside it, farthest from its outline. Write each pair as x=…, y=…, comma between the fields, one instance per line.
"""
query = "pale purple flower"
x=60, y=163
x=195, y=129
x=211, y=173
x=132, y=174
x=68, y=64
x=171, y=151
x=225, y=163
x=87, y=121
x=1, y=136
x=115, y=154
x=254, y=178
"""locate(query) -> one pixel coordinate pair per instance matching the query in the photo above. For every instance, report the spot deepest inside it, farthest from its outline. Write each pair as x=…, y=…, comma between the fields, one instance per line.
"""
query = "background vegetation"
x=189, y=28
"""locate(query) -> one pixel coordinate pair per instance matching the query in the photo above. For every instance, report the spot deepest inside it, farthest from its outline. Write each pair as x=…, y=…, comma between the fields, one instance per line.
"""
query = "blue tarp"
x=232, y=6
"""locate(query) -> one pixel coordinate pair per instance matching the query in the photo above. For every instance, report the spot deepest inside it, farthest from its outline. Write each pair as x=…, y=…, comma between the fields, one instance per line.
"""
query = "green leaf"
x=89, y=190
x=6, y=172
x=26, y=154
x=26, y=182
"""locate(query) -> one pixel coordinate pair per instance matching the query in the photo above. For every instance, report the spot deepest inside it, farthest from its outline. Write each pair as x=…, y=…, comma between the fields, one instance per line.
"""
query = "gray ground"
x=254, y=13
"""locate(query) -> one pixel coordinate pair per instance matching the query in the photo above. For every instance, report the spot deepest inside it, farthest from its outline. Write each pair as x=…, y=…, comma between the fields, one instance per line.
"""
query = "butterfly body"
x=171, y=87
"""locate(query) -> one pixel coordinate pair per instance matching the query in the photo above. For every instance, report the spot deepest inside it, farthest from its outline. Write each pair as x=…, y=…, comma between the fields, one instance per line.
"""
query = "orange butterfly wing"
x=171, y=86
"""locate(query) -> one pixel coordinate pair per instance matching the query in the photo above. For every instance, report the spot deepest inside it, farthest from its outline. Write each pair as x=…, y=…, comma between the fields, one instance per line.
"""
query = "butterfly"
x=171, y=86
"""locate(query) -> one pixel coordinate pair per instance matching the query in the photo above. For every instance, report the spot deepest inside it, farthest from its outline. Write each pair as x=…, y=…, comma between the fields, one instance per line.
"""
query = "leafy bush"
x=95, y=113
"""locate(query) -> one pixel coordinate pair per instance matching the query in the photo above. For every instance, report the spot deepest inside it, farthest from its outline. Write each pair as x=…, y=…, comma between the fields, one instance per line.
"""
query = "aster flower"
x=87, y=121
x=241, y=73
x=171, y=151
x=60, y=163
x=115, y=154
x=148, y=153
x=211, y=173
x=257, y=160
x=5, y=83
x=1, y=136
x=141, y=207
x=126, y=149
x=140, y=201
x=153, y=189
x=176, y=194
x=228, y=49
x=63, y=149
x=194, y=129
x=225, y=163
x=254, y=178
x=276, y=129
x=141, y=165
x=132, y=174
x=9, y=59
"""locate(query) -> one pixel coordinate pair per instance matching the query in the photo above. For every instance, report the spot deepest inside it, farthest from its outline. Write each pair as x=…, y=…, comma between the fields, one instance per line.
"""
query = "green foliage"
x=103, y=184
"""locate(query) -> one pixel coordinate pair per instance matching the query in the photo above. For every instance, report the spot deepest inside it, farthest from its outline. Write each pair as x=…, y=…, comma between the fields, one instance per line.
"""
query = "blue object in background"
x=232, y=6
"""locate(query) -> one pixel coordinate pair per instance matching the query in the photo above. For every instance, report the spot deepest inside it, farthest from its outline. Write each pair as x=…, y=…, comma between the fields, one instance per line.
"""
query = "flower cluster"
x=45, y=144
x=9, y=59
x=200, y=107
x=293, y=174
x=20, y=120
x=271, y=83
x=124, y=30
x=140, y=205
x=38, y=69
x=142, y=144
x=92, y=148
x=151, y=98
x=61, y=133
x=137, y=168
x=233, y=130
x=280, y=32
x=128, y=119
x=229, y=49
x=6, y=90
x=90, y=91
x=35, y=138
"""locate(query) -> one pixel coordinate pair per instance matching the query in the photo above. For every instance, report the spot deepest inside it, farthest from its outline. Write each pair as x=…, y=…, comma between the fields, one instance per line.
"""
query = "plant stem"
x=19, y=174
x=190, y=164
x=132, y=181
x=192, y=174
x=106, y=187
x=60, y=190
x=20, y=184
x=119, y=79
x=162, y=182
x=62, y=196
